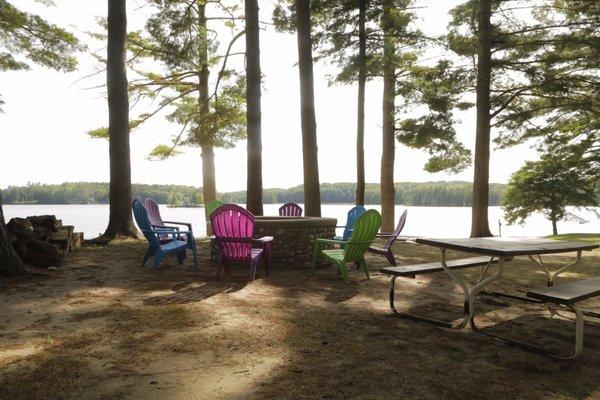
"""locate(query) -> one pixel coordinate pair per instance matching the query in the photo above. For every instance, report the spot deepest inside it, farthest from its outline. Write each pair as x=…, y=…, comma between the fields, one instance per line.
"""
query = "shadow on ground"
x=103, y=328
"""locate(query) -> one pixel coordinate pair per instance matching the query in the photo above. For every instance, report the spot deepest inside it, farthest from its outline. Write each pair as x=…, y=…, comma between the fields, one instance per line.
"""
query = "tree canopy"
x=547, y=186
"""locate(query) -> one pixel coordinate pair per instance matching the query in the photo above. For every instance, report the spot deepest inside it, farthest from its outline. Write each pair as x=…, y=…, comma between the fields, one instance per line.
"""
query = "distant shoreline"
x=426, y=194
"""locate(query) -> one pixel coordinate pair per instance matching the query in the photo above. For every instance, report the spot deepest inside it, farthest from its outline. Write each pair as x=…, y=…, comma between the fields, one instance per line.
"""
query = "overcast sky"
x=47, y=114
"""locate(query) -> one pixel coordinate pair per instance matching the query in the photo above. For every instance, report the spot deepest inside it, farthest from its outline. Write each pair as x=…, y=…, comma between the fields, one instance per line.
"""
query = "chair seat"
x=335, y=254
x=175, y=244
x=254, y=254
x=377, y=249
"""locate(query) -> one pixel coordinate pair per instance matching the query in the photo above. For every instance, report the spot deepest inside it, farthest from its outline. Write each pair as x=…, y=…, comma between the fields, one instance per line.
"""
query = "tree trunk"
x=254, y=186
x=360, y=123
x=312, y=192
x=10, y=263
x=209, y=180
x=554, y=227
x=120, y=218
x=388, y=153
x=479, y=223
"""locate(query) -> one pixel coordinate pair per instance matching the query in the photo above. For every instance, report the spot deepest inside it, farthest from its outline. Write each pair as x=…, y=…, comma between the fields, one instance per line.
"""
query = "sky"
x=42, y=132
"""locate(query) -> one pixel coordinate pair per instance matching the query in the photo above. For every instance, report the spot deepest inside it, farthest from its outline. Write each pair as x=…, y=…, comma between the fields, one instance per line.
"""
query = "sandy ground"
x=103, y=328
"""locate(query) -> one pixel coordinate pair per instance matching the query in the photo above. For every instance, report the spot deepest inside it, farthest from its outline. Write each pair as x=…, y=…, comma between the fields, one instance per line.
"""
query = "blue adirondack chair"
x=155, y=247
x=354, y=213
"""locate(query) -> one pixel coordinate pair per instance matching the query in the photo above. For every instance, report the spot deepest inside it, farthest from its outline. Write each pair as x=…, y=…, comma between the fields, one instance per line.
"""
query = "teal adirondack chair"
x=160, y=250
x=353, y=250
x=354, y=213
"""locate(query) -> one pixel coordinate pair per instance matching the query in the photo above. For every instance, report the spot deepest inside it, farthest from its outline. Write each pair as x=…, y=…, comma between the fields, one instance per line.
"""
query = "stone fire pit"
x=294, y=237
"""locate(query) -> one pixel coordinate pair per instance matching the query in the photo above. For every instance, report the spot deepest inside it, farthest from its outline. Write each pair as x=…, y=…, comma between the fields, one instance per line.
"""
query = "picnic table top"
x=508, y=246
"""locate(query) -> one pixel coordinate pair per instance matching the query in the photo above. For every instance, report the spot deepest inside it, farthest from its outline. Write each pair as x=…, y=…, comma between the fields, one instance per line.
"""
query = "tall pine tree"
x=27, y=38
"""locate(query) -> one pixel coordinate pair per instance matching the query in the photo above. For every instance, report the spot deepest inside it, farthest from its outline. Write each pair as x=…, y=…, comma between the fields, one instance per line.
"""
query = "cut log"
x=47, y=221
x=63, y=238
x=42, y=254
x=77, y=241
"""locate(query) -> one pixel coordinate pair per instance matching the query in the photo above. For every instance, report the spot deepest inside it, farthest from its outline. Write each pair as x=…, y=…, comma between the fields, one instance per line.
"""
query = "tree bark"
x=360, y=123
x=10, y=263
x=254, y=186
x=312, y=192
x=209, y=184
x=120, y=218
x=209, y=180
x=388, y=152
x=554, y=226
x=479, y=223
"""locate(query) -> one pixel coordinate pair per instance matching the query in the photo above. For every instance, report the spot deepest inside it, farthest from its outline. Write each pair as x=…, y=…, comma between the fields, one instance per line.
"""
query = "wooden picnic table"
x=502, y=249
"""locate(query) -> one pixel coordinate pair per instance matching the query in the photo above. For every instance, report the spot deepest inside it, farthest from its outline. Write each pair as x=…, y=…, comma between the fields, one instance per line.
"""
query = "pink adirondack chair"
x=157, y=222
x=391, y=237
x=290, y=210
x=233, y=227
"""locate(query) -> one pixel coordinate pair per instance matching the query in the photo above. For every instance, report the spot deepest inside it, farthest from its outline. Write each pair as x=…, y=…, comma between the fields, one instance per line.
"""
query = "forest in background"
x=408, y=193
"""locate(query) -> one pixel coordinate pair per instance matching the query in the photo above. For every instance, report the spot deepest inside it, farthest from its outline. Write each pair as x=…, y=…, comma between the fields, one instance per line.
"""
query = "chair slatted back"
x=399, y=227
x=143, y=222
x=290, y=210
x=233, y=227
x=353, y=214
x=153, y=212
x=365, y=229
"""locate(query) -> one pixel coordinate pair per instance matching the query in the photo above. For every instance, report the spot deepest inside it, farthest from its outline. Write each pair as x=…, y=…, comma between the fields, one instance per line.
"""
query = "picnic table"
x=498, y=251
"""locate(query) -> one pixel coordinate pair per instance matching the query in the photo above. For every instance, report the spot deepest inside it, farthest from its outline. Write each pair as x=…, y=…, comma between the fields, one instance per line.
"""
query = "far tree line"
x=527, y=70
x=406, y=193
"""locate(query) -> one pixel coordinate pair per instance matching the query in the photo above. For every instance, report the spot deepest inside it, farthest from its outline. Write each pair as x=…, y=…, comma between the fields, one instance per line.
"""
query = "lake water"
x=422, y=221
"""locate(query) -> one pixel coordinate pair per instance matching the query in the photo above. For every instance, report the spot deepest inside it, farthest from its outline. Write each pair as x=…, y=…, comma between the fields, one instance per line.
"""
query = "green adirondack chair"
x=213, y=206
x=363, y=234
x=210, y=208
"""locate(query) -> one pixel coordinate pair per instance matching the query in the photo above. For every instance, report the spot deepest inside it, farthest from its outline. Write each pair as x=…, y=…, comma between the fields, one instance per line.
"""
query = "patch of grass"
x=584, y=237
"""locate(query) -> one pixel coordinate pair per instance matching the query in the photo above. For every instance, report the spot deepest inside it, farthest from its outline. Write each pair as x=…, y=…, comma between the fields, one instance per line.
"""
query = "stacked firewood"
x=42, y=240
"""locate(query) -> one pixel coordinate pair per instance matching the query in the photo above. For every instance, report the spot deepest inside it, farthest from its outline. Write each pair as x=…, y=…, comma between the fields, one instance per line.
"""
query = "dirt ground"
x=103, y=328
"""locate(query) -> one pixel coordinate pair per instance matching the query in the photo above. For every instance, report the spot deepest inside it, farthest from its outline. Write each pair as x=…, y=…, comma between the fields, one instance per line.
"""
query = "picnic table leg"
x=551, y=276
x=579, y=324
x=420, y=318
x=469, y=294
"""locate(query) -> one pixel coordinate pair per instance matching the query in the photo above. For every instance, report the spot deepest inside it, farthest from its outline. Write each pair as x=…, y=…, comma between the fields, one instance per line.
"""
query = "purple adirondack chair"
x=157, y=222
x=386, y=250
x=290, y=210
x=233, y=227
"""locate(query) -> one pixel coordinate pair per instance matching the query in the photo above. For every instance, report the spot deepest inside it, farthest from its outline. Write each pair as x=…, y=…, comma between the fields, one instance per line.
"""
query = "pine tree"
x=120, y=220
x=211, y=113
x=510, y=79
x=254, y=187
x=27, y=38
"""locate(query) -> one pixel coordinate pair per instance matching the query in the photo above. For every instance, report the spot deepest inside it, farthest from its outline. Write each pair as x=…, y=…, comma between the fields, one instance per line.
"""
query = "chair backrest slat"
x=233, y=222
x=353, y=214
x=290, y=210
x=143, y=222
x=399, y=227
x=153, y=212
x=366, y=227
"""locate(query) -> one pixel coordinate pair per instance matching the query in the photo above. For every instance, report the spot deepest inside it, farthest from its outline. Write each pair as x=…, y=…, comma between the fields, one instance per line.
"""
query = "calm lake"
x=422, y=221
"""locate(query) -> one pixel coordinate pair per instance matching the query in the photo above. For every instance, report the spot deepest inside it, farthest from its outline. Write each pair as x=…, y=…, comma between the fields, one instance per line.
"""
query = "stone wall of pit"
x=294, y=238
